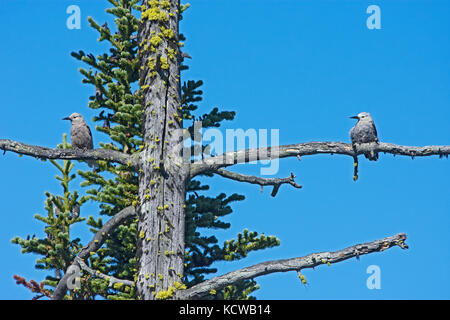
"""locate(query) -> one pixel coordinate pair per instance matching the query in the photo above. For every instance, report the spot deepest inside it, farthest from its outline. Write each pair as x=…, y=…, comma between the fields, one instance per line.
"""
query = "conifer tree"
x=120, y=116
x=153, y=245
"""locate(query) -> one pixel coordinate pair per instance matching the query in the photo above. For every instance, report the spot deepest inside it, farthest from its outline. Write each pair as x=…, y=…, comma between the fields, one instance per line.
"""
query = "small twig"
x=355, y=168
x=275, y=182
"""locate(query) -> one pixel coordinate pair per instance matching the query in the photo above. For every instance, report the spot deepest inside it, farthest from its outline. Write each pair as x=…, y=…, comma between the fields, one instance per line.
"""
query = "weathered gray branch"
x=275, y=182
x=311, y=148
x=68, y=154
x=202, y=289
x=93, y=246
x=98, y=274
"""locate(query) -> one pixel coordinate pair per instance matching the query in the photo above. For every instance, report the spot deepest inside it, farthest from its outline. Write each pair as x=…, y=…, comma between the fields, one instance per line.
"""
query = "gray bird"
x=364, y=132
x=75, y=211
x=56, y=211
x=80, y=134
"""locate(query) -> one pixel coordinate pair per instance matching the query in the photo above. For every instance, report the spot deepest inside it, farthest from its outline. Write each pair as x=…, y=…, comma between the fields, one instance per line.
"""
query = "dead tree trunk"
x=162, y=175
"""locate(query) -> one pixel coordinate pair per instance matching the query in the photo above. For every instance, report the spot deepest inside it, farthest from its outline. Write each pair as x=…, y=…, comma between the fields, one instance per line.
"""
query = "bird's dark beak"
x=66, y=118
x=354, y=117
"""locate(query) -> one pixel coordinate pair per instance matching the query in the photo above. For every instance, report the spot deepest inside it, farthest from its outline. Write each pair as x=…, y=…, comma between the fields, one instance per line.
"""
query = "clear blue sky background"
x=303, y=67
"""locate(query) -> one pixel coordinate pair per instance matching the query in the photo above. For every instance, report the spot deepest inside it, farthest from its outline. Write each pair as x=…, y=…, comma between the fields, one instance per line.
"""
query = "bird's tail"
x=92, y=164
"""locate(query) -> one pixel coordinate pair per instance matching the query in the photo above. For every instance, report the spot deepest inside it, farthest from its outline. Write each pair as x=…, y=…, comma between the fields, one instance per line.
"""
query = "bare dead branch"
x=202, y=289
x=93, y=246
x=275, y=182
x=68, y=154
x=311, y=148
x=98, y=274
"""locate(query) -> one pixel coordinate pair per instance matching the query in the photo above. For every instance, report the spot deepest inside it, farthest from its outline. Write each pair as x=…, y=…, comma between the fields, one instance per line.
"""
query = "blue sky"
x=302, y=67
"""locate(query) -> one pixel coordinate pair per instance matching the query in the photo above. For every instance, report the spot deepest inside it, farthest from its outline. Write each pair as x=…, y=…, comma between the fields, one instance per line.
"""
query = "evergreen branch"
x=311, y=148
x=34, y=287
x=100, y=275
x=94, y=245
x=275, y=182
x=68, y=154
x=202, y=289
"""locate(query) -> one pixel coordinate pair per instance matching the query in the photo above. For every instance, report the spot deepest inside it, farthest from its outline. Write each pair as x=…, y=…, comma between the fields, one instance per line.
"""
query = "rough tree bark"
x=162, y=175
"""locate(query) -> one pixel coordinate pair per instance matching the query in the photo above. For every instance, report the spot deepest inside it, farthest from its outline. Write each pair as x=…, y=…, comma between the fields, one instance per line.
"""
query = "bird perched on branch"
x=80, y=135
x=364, y=132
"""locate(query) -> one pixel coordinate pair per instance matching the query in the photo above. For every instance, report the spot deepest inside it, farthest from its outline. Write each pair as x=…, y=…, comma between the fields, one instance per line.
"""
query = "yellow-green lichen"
x=164, y=63
x=165, y=4
x=118, y=285
x=302, y=278
x=167, y=33
x=179, y=286
x=155, y=41
x=165, y=294
x=154, y=14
